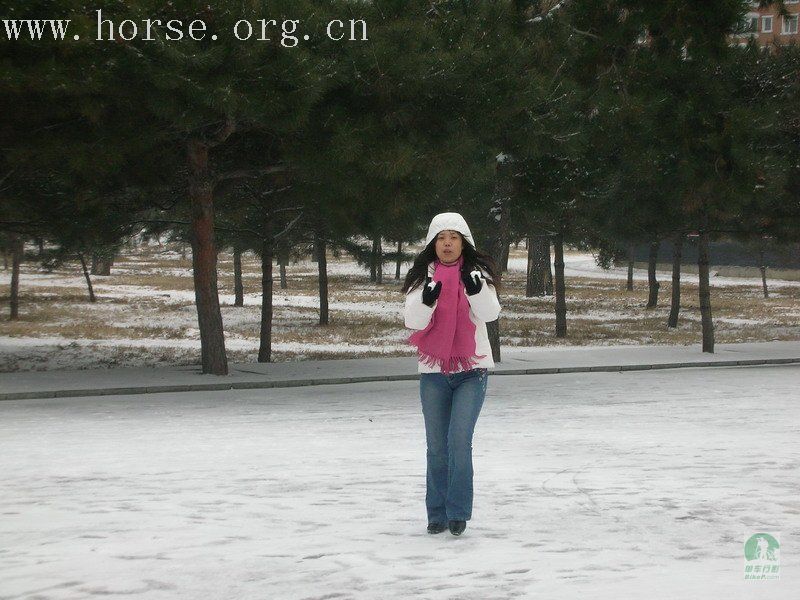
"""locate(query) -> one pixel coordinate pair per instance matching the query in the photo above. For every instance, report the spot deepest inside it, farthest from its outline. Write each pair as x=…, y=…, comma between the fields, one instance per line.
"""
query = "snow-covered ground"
x=145, y=313
x=584, y=265
x=601, y=485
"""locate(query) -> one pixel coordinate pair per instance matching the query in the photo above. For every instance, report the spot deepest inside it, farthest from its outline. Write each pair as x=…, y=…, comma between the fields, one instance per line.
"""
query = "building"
x=768, y=27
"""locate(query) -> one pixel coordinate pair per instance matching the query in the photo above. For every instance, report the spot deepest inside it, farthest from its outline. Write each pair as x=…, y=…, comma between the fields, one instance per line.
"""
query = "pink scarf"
x=449, y=339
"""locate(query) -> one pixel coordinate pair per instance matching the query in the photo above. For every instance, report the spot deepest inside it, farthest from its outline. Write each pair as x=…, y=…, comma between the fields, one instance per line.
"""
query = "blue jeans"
x=451, y=405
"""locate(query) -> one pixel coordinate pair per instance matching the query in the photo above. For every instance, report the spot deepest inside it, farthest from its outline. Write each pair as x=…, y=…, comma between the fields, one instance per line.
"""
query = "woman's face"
x=449, y=245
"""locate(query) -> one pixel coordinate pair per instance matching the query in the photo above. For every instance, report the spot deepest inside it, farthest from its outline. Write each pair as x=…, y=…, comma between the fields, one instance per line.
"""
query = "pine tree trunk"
x=505, y=223
x=17, y=253
x=101, y=265
x=493, y=333
x=675, y=305
x=498, y=215
x=373, y=270
x=705, y=293
x=183, y=250
x=265, y=343
x=763, y=269
x=40, y=244
x=538, y=265
x=631, y=256
x=399, y=260
x=104, y=267
x=561, y=302
x=87, y=277
x=238, y=286
x=530, y=277
x=545, y=265
x=548, y=273
x=282, y=264
x=652, y=299
x=379, y=259
x=204, y=261
x=5, y=259
x=322, y=269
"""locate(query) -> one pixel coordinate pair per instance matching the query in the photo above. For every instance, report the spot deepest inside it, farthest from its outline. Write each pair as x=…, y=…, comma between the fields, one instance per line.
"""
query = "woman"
x=450, y=295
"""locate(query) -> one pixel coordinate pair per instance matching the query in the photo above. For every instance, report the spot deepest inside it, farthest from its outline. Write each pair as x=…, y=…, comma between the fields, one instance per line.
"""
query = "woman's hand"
x=431, y=291
x=473, y=281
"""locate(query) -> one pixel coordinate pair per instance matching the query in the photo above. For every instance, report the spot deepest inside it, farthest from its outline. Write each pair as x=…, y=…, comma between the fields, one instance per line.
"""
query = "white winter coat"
x=484, y=307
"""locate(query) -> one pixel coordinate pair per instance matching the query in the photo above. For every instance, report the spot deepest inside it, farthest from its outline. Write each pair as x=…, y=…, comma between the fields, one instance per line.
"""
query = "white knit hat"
x=449, y=220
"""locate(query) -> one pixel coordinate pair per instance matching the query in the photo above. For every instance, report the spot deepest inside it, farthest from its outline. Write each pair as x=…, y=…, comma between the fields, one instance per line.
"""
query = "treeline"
x=601, y=124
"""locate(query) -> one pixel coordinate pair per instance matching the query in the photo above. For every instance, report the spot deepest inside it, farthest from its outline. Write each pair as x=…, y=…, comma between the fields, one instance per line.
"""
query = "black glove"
x=430, y=292
x=472, y=281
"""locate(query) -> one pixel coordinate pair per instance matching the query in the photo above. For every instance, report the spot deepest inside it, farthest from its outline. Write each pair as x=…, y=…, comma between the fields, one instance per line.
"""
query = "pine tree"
x=202, y=100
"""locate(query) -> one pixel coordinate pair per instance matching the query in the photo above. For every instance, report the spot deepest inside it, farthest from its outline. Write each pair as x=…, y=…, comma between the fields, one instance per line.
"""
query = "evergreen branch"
x=259, y=196
x=6, y=176
x=288, y=208
x=160, y=222
x=256, y=234
x=548, y=12
x=226, y=131
x=586, y=33
x=54, y=125
x=188, y=223
x=556, y=74
x=23, y=227
x=286, y=229
x=249, y=173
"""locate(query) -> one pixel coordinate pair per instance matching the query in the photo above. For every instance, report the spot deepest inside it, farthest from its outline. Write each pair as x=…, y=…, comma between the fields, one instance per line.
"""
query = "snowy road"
x=597, y=485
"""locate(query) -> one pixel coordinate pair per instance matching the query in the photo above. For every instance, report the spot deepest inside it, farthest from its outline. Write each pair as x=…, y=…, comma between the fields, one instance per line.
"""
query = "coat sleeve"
x=417, y=314
x=485, y=304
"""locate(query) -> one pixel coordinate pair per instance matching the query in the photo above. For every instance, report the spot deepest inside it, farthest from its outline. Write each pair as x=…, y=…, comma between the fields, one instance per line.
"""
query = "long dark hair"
x=472, y=260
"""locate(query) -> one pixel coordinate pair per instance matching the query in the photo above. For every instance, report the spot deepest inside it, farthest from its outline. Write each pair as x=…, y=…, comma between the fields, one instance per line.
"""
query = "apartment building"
x=768, y=27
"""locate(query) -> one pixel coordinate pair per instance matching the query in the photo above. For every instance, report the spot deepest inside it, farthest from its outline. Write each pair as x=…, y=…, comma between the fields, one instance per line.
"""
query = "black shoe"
x=457, y=527
x=436, y=527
